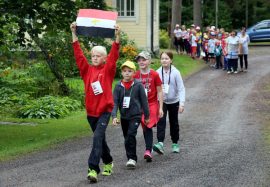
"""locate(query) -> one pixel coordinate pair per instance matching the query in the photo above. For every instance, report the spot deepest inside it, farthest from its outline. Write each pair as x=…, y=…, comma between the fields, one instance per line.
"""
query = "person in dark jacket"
x=130, y=97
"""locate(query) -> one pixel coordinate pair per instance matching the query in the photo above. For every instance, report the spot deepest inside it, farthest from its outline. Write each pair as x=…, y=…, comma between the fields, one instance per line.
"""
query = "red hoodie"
x=97, y=104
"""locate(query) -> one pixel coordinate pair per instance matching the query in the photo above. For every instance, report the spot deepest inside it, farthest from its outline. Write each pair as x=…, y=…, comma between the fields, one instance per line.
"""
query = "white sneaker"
x=235, y=72
x=131, y=164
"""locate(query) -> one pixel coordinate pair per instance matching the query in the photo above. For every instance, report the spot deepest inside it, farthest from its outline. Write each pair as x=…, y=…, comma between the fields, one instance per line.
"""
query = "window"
x=262, y=26
x=126, y=8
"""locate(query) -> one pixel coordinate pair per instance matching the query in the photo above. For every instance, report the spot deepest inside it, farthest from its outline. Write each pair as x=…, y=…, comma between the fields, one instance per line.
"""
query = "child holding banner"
x=98, y=78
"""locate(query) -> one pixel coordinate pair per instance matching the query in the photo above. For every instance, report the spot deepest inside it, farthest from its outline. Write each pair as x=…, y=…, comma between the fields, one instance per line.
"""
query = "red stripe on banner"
x=101, y=14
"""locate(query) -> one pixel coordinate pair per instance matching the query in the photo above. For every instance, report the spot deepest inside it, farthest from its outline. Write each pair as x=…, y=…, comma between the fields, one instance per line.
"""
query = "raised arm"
x=114, y=53
x=81, y=60
x=73, y=31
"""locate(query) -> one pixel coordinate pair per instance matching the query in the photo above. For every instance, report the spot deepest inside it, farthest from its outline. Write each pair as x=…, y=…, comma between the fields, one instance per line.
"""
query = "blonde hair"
x=100, y=49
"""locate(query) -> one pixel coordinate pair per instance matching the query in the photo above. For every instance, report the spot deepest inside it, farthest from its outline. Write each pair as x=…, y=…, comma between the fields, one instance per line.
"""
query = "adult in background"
x=177, y=38
x=243, y=49
x=199, y=41
x=232, y=50
x=185, y=37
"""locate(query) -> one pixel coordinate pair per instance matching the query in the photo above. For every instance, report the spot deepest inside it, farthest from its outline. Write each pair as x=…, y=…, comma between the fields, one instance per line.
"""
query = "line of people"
x=218, y=48
x=143, y=97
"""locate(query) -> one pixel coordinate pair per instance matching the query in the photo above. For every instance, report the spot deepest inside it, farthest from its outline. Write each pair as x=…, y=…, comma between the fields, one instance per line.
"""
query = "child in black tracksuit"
x=130, y=97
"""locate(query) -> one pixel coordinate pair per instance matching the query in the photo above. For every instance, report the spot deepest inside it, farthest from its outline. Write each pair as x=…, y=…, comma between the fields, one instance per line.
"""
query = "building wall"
x=138, y=29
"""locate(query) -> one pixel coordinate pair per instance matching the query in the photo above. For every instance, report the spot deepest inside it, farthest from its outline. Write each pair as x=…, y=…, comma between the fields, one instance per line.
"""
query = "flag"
x=96, y=23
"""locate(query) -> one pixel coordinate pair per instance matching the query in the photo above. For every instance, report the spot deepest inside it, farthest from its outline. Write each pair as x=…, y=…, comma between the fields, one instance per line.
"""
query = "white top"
x=233, y=45
x=176, y=91
x=211, y=45
x=244, y=40
x=193, y=41
x=177, y=33
x=185, y=34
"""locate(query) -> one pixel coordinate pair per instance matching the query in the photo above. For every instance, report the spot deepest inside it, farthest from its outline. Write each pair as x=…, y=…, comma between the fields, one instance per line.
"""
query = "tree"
x=176, y=15
x=45, y=17
x=197, y=13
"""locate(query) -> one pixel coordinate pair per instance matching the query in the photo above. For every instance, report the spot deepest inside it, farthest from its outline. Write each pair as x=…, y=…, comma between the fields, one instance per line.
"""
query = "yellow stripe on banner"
x=93, y=22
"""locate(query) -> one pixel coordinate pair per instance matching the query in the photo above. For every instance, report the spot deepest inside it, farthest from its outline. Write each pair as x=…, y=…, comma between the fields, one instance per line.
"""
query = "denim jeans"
x=225, y=63
x=129, y=128
x=172, y=109
x=100, y=148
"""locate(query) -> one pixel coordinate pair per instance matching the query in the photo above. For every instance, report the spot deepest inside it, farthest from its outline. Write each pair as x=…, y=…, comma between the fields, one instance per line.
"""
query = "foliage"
x=34, y=20
x=164, y=39
x=60, y=50
x=231, y=14
x=35, y=80
x=129, y=52
x=10, y=97
x=11, y=100
x=49, y=107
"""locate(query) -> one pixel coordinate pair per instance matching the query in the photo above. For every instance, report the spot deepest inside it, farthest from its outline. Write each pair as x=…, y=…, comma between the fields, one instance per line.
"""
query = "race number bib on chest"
x=96, y=87
x=165, y=88
x=126, y=102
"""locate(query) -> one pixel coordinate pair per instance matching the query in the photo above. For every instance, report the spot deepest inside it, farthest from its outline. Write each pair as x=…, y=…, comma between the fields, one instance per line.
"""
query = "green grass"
x=16, y=140
x=185, y=64
x=259, y=43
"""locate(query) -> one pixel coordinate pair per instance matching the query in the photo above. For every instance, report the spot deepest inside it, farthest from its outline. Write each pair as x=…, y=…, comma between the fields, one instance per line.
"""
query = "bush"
x=35, y=80
x=11, y=100
x=10, y=97
x=49, y=107
x=164, y=39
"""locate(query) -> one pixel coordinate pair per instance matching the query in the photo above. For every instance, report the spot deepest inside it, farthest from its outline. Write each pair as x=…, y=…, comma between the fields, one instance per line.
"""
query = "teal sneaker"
x=107, y=169
x=158, y=147
x=175, y=148
x=92, y=176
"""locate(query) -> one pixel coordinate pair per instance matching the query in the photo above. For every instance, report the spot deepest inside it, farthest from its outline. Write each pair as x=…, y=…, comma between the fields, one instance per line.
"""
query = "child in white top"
x=173, y=102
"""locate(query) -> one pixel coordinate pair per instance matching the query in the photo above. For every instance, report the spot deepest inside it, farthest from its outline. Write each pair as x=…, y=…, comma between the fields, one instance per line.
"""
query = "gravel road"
x=221, y=142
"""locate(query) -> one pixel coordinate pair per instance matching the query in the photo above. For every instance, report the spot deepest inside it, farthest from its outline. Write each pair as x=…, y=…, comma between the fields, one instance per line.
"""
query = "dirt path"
x=221, y=142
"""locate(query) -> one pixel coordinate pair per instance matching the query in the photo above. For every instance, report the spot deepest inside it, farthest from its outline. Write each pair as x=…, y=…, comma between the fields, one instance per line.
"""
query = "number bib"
x=126, y=102
x=96, y=87
x=165, y=88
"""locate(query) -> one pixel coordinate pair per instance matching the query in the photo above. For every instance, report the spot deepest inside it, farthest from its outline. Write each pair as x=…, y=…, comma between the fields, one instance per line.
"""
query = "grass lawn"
x=259, y=43
x=16, y=140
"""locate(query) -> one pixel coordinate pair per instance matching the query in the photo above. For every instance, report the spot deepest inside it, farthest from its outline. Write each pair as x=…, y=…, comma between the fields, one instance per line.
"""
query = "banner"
x=96, y=23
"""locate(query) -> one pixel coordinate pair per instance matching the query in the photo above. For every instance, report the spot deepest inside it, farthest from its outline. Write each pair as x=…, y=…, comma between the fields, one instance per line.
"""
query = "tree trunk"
x=197, y=13
x=176, y=16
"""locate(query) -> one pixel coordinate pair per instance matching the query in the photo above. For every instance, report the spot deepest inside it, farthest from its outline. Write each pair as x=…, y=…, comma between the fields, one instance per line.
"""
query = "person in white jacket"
x=173, y=102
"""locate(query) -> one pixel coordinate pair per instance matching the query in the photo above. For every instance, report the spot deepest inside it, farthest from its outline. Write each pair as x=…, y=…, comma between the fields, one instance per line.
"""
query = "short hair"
x=100, y=49
x=170, y=54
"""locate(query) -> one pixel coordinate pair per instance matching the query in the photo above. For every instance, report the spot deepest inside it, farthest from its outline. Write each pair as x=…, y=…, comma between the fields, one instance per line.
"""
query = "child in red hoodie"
x=98, y=78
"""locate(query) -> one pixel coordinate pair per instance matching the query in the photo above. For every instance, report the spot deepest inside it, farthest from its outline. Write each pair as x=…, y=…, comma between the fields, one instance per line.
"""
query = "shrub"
x=10, y=97
x=129, y=52
x=164, y=39
x=35, y=80
x=49, y=107
x=11, y=101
